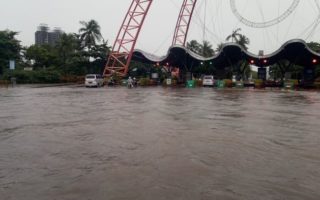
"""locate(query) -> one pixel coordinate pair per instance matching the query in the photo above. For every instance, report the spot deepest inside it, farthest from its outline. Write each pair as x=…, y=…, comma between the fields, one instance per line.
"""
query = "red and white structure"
x=121, y=54
x=122, y=50
x=183, y=23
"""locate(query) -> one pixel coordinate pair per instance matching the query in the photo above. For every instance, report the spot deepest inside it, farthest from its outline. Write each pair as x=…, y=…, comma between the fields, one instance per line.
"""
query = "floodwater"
x=75, y=143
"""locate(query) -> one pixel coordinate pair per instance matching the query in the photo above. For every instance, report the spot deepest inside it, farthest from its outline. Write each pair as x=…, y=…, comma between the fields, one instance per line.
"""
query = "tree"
x=243, y=68
x=67, y=46
x=219, y=47
x=194, y=46
x=206, y=49
x=43, y=56
x=99, y=53
x=243, y=41
x=315, y=46
x=9, y=48
x=238, y=38
x=90, y=33
x=234, y=35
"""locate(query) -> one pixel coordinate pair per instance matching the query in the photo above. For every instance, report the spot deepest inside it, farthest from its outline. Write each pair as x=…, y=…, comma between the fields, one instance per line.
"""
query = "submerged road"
x=67, y=143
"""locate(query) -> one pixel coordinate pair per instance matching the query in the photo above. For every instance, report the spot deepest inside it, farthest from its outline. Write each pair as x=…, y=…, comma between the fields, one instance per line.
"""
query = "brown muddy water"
x=74, y=143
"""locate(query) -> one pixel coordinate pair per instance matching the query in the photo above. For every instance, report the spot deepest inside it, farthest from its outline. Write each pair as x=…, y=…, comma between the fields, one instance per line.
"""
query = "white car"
x=208, y=80
x=94, y=80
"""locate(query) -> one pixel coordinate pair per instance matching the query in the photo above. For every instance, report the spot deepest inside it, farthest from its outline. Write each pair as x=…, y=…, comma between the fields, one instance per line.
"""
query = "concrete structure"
x=44, y=36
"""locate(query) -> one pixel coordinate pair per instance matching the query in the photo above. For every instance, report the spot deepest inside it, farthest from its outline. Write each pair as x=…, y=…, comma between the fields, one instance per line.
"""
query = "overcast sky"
x=25, y=15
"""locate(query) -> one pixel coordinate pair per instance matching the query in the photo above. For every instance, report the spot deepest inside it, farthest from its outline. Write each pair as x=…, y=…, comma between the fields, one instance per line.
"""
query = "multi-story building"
x=54, y=36
x=44, y=36
x=41, y=35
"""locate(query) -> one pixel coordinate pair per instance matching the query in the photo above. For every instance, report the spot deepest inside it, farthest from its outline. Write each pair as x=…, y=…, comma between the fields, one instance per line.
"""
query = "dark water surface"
x=73, y=143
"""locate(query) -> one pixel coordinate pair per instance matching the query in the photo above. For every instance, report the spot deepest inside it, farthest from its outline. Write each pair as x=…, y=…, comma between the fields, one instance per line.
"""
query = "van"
x=208, y=80
x=94, y=80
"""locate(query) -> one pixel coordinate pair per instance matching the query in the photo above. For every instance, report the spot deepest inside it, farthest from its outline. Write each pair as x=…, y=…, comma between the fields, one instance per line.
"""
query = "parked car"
x=94, y=80
x=208, y=80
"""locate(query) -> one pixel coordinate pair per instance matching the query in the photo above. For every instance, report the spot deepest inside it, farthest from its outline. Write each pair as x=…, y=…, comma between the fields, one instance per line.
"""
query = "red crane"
x=122, y=50
x=183, y=23
x=121, y=54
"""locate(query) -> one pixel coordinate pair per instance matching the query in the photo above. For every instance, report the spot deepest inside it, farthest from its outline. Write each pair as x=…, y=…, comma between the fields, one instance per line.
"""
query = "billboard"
x=12, y=64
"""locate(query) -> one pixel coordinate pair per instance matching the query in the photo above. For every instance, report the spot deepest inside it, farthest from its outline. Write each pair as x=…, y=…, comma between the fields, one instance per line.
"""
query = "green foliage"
x=90, y=33
x=194, y=46
x=67, y=47
x=238, y=38
x=315, y=46
x=43, y=56
x=205, y=49
x=219, y=47
x=9, y=48
x=73, y=55
x=277, y=71
x=40, y=76
x=246, y=70
x=144, y=81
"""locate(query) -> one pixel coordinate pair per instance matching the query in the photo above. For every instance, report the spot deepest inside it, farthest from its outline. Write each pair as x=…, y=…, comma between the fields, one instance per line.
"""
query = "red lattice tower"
x=183, y=23
x=121, y=54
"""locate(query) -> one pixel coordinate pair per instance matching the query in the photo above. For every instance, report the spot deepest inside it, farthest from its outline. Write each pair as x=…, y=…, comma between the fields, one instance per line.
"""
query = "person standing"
x=130, y=82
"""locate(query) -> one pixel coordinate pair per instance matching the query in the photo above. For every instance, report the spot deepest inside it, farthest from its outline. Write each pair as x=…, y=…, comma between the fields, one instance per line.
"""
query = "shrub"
x=258, y=83
x=228, y=83
x=72, y=79
x=144, y=81
x=41, y=76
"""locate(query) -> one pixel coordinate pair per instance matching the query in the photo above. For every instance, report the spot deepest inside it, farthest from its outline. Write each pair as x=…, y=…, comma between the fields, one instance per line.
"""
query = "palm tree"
x=245, y=70
x=243, y=41
x=206, y=49
x=219, y=47
x=315, y=46
x=234, y=35
x=194, y=46
x=90, y=33
x=238, y=38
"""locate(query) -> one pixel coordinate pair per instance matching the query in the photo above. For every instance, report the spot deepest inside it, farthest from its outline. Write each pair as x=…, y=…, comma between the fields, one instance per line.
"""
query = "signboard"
x=12, y=64
x=169, y=81
x=154, y=75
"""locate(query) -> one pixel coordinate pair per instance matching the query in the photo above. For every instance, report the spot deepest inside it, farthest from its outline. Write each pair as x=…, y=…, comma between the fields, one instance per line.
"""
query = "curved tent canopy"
x=295, y=51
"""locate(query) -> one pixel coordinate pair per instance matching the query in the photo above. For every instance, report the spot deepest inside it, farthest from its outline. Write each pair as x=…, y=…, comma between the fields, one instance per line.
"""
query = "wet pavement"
x=67, y=143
